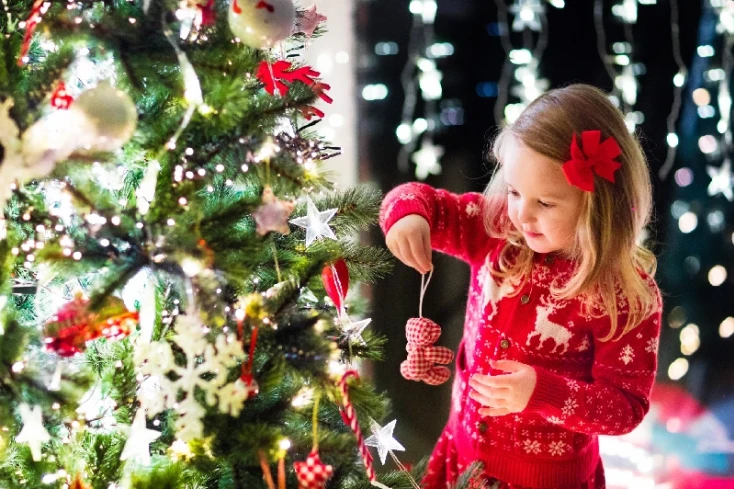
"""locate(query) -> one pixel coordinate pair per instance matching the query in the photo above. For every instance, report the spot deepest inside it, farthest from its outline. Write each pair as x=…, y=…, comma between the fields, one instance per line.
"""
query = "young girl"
x=563, y=315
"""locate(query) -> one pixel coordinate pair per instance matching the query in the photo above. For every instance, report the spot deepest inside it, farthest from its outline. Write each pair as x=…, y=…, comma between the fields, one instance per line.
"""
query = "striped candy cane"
x=39, y=8
x=350, y=418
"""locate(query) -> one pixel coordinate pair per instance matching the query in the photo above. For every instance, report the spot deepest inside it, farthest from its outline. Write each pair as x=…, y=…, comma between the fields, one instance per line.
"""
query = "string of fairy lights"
x=621, y=65
x=421, y=80
x=522, y=30
x=523, y=35
x=712, y=98
x=520, y=70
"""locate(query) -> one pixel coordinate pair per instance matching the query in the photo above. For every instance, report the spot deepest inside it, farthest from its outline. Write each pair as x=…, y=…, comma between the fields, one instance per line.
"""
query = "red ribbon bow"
x=283, y=71
x=596, y=157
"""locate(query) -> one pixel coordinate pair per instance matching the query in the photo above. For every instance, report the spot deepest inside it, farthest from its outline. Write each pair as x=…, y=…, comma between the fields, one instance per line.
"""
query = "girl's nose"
x=525, y=214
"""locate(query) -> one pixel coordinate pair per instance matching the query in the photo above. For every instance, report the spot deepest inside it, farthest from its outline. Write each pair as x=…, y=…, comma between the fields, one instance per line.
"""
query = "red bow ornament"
x=275, y=75
x=596, y=157
x=424, y=359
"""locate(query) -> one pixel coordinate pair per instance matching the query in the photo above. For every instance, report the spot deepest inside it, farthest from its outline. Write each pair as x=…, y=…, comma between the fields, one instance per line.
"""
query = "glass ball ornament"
x=261, y=24
x=111, y=113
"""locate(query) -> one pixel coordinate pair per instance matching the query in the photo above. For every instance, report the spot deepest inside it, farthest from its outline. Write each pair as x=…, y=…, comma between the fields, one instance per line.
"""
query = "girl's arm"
x=456, y=223
x=616, y=401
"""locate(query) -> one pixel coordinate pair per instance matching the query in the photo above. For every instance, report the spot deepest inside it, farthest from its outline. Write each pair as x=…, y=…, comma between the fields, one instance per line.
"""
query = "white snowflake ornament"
x=189, y=425
x=203, y=359
x=232, y=397
x=33, y=432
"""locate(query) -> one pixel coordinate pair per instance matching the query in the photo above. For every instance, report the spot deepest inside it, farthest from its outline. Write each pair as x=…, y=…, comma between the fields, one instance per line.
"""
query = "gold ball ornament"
x=111, y=113
x=255, y=307
x=261, y=23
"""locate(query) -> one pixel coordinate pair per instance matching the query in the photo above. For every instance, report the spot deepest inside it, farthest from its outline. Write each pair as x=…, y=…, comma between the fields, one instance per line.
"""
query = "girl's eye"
x=545, y=204
x=513, y=192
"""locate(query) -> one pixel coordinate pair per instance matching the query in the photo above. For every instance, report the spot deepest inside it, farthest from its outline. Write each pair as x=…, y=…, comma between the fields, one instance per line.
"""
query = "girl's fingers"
x=406, y=255
x=489, y=401
x=394, y=248
x=489, y=391
x=419, y=254
x=486, y=384
x=427, y=247
x=494, y=412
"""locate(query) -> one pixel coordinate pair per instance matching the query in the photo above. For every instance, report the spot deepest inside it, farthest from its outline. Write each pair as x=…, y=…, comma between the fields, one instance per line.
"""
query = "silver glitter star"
x=316, y=223
x=383, y=439
x=352, y=331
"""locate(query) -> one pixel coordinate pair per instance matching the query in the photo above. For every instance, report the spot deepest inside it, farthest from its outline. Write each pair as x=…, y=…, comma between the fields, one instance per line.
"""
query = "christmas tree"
x=168, y=242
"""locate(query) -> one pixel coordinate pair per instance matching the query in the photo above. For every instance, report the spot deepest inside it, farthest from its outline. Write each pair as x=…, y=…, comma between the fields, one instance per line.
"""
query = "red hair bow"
x=596, y=157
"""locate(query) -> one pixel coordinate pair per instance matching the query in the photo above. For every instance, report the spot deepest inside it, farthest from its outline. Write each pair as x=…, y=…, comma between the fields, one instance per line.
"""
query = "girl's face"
x=540, y=202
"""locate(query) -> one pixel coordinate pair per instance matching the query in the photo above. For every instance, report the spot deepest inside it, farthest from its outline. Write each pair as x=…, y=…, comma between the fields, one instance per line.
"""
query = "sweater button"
x=504, y=344
x=482, y=426
x=525, y=299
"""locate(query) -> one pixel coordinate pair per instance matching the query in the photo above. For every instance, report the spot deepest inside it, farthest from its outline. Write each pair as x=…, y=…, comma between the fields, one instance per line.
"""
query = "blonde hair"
x=607, y=246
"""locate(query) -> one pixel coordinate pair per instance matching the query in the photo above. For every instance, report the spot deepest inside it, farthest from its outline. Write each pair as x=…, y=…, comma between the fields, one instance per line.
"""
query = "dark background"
x=571, y=56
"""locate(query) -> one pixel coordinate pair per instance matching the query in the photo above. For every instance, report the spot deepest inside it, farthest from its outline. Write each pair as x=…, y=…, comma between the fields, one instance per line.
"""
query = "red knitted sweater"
x=585, y=387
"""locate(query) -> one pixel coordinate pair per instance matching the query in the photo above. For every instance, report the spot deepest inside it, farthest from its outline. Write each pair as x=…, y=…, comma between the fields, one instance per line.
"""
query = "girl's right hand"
x=409, y=239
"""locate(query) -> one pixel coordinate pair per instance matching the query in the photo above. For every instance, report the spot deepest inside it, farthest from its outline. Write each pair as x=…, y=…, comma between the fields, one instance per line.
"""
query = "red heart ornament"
x=336, y=286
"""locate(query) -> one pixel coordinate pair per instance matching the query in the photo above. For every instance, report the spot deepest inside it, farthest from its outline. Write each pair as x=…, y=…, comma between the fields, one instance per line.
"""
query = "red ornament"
x=38, y=9
x=208, y=14
x=251, y=385
x=265, y=5
x=253, y=388
x=335, y=277
x=280, y=72
x=67, y=332
x=313, y=473
x=350, y=419
x=310, y=111
x=320, y=90
x=61, y=99
x=596, y=157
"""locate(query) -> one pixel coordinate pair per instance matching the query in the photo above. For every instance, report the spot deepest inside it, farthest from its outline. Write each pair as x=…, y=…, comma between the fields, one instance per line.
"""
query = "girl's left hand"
x=506, y=393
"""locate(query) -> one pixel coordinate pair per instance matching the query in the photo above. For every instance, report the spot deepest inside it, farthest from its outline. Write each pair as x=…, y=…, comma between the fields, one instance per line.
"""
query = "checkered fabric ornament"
x=312, y=474
x=425, y=360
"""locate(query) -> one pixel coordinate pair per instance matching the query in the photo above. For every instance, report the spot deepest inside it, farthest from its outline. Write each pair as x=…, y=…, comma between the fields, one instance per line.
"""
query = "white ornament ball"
x=262, y=23
x=112, y=114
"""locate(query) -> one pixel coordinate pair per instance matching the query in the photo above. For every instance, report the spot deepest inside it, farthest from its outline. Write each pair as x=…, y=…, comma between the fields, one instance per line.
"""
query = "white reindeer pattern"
x=547, y=329
x=491, y=291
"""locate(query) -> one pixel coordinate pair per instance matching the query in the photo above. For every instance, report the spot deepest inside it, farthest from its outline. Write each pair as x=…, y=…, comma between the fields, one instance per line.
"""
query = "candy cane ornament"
x=350, y=418
x=40, y=7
